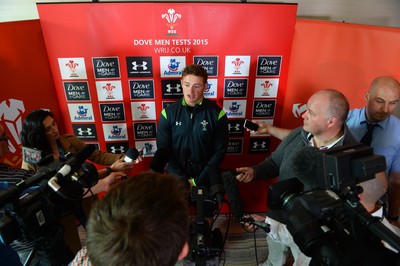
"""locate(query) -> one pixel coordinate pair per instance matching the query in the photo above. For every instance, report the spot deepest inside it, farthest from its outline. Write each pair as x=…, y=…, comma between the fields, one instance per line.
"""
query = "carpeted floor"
x=240, y=246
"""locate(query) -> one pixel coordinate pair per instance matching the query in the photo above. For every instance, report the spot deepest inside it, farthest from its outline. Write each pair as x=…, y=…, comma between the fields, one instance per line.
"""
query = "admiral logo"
x=235, y=128
x=85, y=132
x=139, y=66
x=145, y=130
x=259, y=145
x=112, y=112
x=211, y=90
x=72, y=68
x=76, y=91
x=115, y=132
x=235, y=109
x=120, y=147
x=171, y=18
x=107, y=67
x=141, y=89
x=149, y=147
x=264, y=108
x=171, y=89
x=235, y=88
x=143, y=110
x=269, y=65
x=172, y=66
x=81, y=112
x=235, y=146
x=209, y=63
x=267, y=88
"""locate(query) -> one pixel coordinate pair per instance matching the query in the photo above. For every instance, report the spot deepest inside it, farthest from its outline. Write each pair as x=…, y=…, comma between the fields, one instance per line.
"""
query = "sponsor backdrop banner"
x=116, y=65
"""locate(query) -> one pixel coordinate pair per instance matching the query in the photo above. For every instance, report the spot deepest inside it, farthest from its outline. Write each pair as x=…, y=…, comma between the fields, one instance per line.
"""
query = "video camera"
x=31, y=209
x=327, y=221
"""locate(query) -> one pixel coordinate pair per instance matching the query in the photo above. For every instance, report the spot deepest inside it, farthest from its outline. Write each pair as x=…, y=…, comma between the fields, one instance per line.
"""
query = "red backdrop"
x=337, y=55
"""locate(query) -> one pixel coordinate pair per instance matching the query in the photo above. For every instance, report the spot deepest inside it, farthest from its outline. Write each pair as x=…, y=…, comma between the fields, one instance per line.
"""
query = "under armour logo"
x=176, y=88
x=235, y=127
x=119, y=149
x=178, y=123
x=261, y=145
x=88, y=131
x=135, y=65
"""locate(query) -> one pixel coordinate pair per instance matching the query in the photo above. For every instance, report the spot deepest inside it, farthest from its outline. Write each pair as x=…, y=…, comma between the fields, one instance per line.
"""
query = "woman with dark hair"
x=40, y=131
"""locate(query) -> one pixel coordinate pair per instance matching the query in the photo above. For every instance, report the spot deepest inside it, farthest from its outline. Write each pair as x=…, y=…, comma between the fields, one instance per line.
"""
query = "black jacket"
x=197, y=138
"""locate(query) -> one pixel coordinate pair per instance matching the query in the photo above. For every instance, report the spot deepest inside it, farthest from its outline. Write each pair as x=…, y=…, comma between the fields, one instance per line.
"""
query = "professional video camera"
x=31, y=209
x=205, y=242
x=326, y=220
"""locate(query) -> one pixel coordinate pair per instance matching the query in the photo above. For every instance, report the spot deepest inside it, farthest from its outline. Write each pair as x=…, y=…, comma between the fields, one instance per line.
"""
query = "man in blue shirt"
x=382, y=98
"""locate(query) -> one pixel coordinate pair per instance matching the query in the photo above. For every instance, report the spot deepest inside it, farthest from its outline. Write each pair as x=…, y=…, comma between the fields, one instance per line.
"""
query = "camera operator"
x=324, y=127
x=12, y=175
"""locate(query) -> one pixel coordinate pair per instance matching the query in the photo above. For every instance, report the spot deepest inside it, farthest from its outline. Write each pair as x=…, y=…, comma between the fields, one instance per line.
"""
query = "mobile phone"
x=250, y=125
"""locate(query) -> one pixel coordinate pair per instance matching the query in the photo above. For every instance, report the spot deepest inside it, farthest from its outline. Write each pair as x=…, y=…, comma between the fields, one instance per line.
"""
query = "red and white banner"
x=116, y=65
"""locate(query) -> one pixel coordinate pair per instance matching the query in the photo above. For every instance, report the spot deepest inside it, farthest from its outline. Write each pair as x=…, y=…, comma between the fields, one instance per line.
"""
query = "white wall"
x=372, y=12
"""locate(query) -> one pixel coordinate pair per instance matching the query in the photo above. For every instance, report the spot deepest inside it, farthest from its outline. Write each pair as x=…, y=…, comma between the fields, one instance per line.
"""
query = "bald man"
x=382, y=98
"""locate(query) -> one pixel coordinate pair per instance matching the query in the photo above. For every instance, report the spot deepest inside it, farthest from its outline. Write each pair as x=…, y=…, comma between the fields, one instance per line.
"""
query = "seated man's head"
x=326, y=112
x=143, y=220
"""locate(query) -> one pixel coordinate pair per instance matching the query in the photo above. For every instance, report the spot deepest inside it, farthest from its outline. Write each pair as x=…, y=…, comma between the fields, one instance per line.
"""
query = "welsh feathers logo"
x=171, y=17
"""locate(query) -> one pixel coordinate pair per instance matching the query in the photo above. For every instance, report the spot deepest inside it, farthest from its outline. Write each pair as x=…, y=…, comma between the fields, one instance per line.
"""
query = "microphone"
x=306, y=167
x=160, y=160
x=262, y=225
x=131, y=155
x=216, y=184
x=232, y=193
x=70, y=166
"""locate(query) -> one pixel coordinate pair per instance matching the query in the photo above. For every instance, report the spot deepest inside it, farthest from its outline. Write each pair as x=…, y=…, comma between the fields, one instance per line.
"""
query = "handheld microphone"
x=71, y=166
x=160, y=160
x=132, y=154
x=262, y=225
x=216, y=184
x=232, y=193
